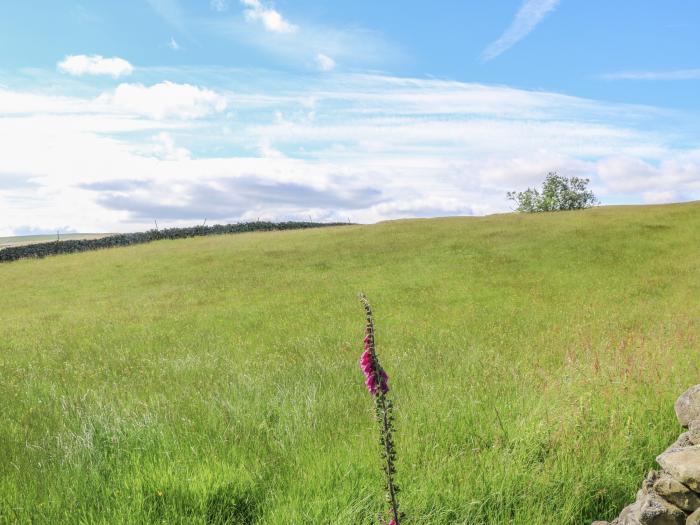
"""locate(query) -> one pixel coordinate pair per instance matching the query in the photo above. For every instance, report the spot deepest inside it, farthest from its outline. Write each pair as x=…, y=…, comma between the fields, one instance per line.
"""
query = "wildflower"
x=375, y=377
x=377, y=382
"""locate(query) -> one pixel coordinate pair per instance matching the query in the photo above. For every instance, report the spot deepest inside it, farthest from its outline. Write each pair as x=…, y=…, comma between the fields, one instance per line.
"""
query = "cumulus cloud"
x=324, y=62
x=165, y=100
x=530, y=14
x=173, y=44
x=270, y=18
x=95, y=65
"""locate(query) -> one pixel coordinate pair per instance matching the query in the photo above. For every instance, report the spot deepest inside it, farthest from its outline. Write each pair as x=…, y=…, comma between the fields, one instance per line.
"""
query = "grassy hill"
x=21, y=240
x=534, y=361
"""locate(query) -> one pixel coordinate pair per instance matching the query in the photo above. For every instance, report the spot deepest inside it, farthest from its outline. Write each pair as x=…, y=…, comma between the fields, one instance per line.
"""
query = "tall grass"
x=214, y=380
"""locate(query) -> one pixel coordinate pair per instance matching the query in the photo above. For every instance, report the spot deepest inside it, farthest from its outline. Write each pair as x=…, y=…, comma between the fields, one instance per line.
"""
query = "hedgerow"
x=46, y=249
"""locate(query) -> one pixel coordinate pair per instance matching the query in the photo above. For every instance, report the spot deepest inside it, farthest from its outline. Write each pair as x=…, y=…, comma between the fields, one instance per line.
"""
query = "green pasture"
x=533, y=360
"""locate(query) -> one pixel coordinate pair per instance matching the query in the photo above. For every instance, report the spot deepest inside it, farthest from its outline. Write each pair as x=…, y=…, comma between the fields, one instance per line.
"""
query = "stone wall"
x=671, y=496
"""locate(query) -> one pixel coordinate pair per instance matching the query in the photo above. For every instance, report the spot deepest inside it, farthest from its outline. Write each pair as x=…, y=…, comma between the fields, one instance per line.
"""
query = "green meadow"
x=7, y=242
x=533, y=361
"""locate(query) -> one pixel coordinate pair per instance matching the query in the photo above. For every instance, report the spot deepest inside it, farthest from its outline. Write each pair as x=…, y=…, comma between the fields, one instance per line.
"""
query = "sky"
x=114, y=115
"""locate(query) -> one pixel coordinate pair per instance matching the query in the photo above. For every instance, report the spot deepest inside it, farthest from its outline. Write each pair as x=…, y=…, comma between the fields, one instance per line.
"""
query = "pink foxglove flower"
x=377, y=383
x=375, y=378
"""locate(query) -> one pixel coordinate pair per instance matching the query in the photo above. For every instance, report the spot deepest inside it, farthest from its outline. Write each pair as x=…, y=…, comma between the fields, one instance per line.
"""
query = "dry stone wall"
x=46, y=249
x=671, y=495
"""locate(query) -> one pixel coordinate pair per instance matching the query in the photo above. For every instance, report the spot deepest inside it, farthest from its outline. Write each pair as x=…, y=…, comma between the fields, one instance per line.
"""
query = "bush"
x=558, y=193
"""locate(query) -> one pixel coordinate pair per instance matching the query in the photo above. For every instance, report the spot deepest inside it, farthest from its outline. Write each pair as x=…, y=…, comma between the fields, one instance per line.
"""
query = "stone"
x=682, y=442
x=688, y=406
x=650, y=509
x=648, y=483
x=675, y=492
x=630, y=515
x=694, y=518
x=657, y=511
x=683, y=464
x=694, y=432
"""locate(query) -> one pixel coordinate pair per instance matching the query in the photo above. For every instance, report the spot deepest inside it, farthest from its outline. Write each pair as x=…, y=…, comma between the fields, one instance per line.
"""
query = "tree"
x=557, y=194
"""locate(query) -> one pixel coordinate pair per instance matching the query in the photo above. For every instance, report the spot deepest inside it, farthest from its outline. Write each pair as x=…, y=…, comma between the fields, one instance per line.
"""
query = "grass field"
x=534, y=362
x=21, y=240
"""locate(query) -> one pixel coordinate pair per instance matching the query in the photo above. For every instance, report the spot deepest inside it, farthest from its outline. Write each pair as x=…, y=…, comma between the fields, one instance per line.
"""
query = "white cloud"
x=268, y=152
x=95, y=65
x=163, y=147
x=17, y=102
x=218, y=5
x=672, y=176
x=678, y=74
x=366, y=147
x=353, y=46
x=531, y=13
x=165, y=100
x=625, y=173
x=270, y=18
x=324, y=62
x=173, y=44
x=660, y=197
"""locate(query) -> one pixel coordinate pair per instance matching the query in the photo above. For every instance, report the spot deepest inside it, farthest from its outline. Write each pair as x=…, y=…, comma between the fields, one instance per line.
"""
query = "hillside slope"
x=533, y=358
x=23, y=240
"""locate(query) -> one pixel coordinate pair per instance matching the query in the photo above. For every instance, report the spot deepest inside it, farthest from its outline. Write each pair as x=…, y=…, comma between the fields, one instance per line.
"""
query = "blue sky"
x=115, y=114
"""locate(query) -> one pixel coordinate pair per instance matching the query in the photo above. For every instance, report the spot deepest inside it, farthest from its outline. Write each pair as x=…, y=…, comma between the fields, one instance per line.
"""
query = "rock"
x=600, y=523
x=650, y=509
x=688, y=406
x=657, y=511
x=683, y=464
x=648, y=483
x=694, y=518
x=675, y=492
x=694, y=432
x=682, y=442
x=630, y=515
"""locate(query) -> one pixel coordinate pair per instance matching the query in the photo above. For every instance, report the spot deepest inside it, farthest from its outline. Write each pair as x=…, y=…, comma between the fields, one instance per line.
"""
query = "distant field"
x=534, y=362
x=6, y=242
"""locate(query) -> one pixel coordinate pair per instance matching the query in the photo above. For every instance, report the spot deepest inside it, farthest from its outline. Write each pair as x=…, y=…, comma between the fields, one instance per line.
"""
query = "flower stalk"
x=377, y=383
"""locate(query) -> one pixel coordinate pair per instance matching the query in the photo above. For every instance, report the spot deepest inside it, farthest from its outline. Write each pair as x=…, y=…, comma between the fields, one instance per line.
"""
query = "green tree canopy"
x=558, y=193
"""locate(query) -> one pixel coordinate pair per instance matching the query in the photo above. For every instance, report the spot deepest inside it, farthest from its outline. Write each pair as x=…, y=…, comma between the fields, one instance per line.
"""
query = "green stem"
x=388, y=446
